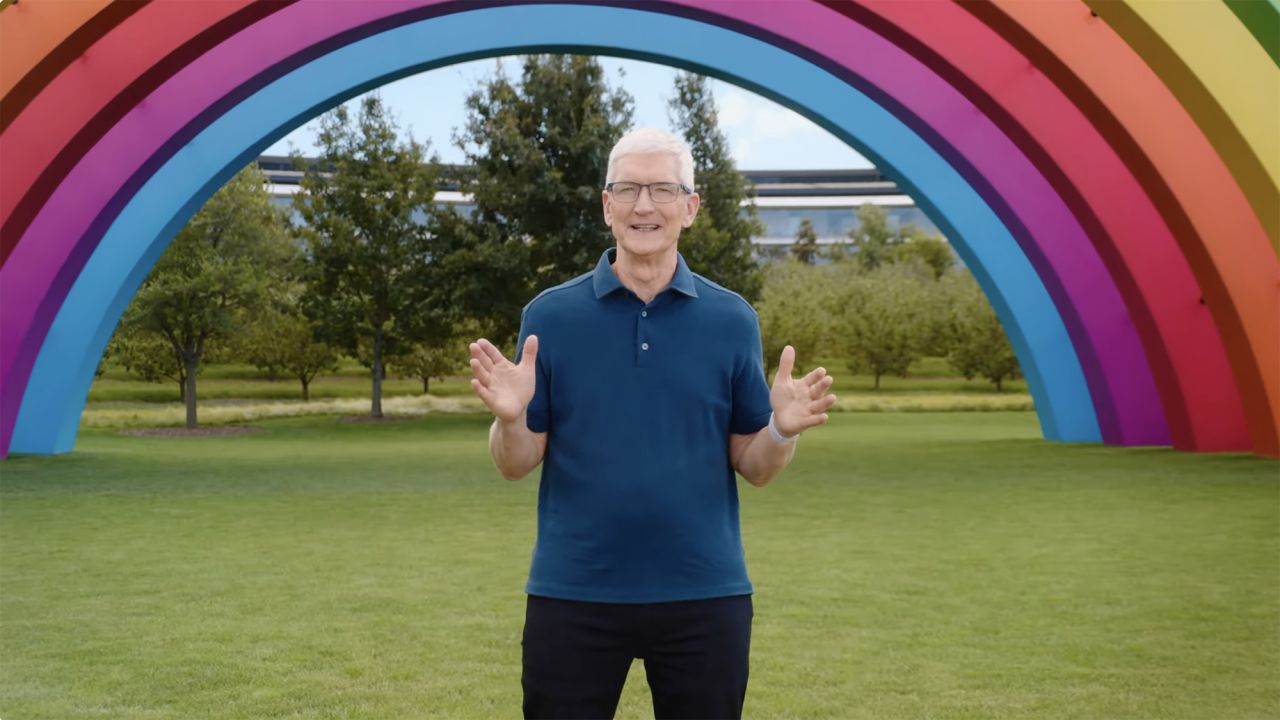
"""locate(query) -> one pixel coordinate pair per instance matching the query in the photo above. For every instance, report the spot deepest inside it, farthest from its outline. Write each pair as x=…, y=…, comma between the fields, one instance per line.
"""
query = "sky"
x=762, y=134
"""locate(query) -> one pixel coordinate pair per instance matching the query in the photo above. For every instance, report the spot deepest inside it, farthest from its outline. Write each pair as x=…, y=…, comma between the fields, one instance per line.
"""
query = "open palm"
x=505, y=387
x=799, y=404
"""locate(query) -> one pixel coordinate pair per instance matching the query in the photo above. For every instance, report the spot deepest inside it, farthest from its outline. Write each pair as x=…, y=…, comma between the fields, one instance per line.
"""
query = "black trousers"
x=577, y=654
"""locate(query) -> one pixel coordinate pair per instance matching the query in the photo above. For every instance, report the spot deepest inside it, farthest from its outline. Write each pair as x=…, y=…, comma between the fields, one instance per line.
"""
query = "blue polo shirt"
x=638, y=502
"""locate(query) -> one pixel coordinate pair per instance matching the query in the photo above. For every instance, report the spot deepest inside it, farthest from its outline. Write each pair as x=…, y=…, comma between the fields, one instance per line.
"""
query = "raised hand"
x=505, y=387
x=799, y=404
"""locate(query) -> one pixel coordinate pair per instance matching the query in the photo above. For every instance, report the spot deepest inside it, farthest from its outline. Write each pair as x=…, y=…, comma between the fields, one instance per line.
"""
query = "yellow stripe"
x=1224, y=78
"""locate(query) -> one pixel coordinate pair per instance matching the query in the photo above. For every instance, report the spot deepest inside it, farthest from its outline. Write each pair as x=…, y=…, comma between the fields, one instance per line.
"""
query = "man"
x=642, y=388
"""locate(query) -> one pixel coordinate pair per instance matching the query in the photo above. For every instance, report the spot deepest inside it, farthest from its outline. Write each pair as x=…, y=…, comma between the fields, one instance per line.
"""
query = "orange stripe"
x=1235, y=131
x=1225, y=242
x=31, y=29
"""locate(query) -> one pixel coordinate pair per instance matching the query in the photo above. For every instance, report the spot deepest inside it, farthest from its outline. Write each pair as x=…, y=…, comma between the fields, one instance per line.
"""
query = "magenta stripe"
x=39, y=273
x=1135, y=242
x=1109, y=348
x=55, y=246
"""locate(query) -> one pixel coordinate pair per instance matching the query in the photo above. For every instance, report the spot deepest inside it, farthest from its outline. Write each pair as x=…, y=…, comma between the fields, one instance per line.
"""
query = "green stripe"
x=1262, y=18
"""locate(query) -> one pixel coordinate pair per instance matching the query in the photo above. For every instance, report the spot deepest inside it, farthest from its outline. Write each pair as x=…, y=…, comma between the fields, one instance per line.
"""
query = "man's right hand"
x=505, y=387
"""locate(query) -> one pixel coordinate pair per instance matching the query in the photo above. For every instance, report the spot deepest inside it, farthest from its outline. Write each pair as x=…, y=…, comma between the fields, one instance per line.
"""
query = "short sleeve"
x=751, y=406
x=538, y=416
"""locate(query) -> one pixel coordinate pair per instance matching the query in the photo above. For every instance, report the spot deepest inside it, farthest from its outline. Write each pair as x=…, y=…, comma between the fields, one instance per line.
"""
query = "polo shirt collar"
x=605, y=281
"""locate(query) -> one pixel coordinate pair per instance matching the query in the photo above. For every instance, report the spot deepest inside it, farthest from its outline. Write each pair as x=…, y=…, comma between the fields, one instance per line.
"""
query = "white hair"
x=647, y=141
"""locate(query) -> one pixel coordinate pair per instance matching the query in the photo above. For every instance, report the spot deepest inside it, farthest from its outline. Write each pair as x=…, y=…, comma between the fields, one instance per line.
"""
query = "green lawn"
x=908, y=565
x=230, y=394
x=928, y=376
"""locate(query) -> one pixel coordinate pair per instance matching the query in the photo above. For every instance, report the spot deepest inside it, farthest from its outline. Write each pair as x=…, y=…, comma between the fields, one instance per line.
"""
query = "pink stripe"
x=68, y=103
x=1110, y=350
x=32, y=295
x=1195, y=379
x=42, y=267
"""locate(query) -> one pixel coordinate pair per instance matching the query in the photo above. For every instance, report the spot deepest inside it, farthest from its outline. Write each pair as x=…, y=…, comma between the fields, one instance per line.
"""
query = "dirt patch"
x=372, y=419
x=198, y=432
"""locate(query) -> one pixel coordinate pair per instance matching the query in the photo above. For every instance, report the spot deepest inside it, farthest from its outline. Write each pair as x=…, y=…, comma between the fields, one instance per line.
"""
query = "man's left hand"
x=799, y=404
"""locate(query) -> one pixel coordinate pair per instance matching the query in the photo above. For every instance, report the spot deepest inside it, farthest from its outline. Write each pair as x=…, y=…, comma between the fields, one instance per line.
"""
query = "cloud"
x=733, y=105
x=761, y=118
x=764, y=134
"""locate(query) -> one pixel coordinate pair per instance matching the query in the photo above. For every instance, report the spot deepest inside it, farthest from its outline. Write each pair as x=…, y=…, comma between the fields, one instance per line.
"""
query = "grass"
x=214, y=412
x=243, y=382
x=908, y=565
x=240, y=393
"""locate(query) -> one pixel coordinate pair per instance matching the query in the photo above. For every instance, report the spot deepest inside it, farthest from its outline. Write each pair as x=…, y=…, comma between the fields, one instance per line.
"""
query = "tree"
x=872, y=238
x=432, y=361
x=772, y=253
x=482, y=275
x=285, y=341
x=798, y=307
x=805, y=249
x=718, y=244
x=539, y=154
x=216, y=271
x=979, y=346
x=148, y=356
x=936, y=326
x=838, y=251
x=371, y=284
x=919, y=246
x=883, y=314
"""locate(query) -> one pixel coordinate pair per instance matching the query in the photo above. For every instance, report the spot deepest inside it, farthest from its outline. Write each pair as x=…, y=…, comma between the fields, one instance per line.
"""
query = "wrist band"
x=778, y=436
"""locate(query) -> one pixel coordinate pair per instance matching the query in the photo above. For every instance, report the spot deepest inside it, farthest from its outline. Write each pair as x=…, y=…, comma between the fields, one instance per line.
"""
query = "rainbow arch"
x=1110, y=185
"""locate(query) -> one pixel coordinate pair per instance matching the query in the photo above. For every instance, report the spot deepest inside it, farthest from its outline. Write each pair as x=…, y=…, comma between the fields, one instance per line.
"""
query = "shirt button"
x=644, y=346
x=644, y=313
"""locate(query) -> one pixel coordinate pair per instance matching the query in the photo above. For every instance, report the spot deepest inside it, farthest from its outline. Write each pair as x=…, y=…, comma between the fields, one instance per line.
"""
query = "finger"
x=479, y=355
x=814, y=375
x=814, y=420
x=817, y=389
x=530, y=354
x=490, y=350
x=822, y=404
x=786, y=363
x=479, y=372
x=486, y=395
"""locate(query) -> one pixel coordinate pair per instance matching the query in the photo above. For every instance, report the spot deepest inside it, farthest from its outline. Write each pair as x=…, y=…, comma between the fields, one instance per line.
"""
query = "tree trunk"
x=426, y=385
x=191, y=365
x=998, y=387
x=877, y=387
x=306, y=390
x=377, y=373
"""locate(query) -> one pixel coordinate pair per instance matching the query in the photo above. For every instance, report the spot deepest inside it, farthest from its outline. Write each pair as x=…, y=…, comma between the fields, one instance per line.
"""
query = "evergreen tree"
x=539, y=154
x=718, y=244
x=372, y=285
x=805, y=248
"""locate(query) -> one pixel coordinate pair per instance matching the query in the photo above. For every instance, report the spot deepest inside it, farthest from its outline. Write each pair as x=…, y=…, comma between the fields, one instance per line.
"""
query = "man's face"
x=645, y=228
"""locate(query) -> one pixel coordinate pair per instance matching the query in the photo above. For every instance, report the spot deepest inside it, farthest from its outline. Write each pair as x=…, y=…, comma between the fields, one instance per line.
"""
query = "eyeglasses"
x=662, y=192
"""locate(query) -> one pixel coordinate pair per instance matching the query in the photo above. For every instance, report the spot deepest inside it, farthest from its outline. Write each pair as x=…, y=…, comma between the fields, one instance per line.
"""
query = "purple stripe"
x=39, y=273
x=1111, y=353
x=35, y=281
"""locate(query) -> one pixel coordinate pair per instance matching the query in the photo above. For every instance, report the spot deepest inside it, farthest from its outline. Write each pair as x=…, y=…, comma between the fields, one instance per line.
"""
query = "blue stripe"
x=54, y=398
